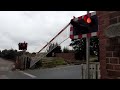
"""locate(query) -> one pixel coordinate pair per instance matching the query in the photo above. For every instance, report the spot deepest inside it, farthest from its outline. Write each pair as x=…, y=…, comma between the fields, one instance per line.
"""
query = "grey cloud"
x=35, y=27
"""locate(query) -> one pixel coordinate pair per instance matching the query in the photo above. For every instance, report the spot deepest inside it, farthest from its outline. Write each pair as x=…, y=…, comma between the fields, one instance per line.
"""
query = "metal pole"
x=24, y=59
x=82, y=70
x=87, y=54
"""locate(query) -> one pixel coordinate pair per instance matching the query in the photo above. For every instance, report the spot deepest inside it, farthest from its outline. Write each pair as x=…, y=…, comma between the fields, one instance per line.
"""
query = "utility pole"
x=87, y=53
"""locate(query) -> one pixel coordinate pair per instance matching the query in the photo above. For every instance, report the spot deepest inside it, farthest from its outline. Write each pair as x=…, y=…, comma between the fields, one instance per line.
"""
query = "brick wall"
x=69, y=57
x=113, y=57
x=109, y=47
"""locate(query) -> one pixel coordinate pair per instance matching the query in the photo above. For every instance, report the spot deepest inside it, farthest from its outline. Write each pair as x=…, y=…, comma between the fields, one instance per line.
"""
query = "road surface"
x=62, y=72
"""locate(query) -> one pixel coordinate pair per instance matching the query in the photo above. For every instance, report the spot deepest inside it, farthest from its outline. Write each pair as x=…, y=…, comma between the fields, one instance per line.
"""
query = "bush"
x=53, y=63
x=38, y=64
x=60, y=61
x=49, y=64
x=9, y=54
x=65, y=50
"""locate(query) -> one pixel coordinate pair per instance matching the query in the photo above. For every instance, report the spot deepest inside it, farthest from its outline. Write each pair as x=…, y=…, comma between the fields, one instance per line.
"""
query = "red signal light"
x=87, y=19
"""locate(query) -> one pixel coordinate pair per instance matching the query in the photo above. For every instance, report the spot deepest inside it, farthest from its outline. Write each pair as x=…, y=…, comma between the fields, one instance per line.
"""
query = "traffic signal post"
x=87, y=54
x=85, y=26
x=23, y=47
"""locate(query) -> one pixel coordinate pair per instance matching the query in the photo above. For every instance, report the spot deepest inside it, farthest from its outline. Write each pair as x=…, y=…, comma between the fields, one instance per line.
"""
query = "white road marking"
x=30, y=75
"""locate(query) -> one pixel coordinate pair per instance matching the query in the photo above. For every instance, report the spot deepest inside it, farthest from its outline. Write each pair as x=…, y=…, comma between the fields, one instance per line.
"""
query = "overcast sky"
x=34, y=27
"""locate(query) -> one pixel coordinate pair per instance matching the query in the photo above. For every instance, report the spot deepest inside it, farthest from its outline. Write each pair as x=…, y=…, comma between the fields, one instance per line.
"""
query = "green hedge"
x=53, y=63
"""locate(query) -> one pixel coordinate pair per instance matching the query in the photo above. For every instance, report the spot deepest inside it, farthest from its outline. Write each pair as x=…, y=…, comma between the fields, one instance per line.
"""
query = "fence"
x=94, y=71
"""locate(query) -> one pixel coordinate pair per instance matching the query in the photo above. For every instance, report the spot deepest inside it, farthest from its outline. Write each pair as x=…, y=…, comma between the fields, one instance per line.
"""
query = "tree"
x=79, y=46
x=0, y=53
x=53, y=49
x=9, y=54
x=34, y=53
x=57, y=48
x=94, y=46
x=4, y=53
x=65, y=50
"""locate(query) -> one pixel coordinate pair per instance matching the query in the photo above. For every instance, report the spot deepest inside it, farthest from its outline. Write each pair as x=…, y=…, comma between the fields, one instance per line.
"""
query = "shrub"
x=53, y=63
x=38, y=64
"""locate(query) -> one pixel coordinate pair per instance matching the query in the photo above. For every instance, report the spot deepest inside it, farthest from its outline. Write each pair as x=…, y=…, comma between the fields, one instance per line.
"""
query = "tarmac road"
x=62, y=72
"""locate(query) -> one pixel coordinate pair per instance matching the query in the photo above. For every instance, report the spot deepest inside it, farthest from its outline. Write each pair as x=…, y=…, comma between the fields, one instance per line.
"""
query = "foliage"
x=34, y=53
x=66, y=50
x=79, y=46
x=10, y=54
x=0, y=53
x=94, y=46
x=38, y=64
x=53, y=63
x=53, y=49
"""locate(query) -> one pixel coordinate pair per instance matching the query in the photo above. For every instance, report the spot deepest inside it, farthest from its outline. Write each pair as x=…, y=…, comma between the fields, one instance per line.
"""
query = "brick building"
x=109, y=44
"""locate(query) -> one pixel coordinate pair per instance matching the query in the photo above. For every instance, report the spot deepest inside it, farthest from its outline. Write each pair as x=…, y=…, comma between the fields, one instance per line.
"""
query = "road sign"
x=84, y=26
x=22, y=46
